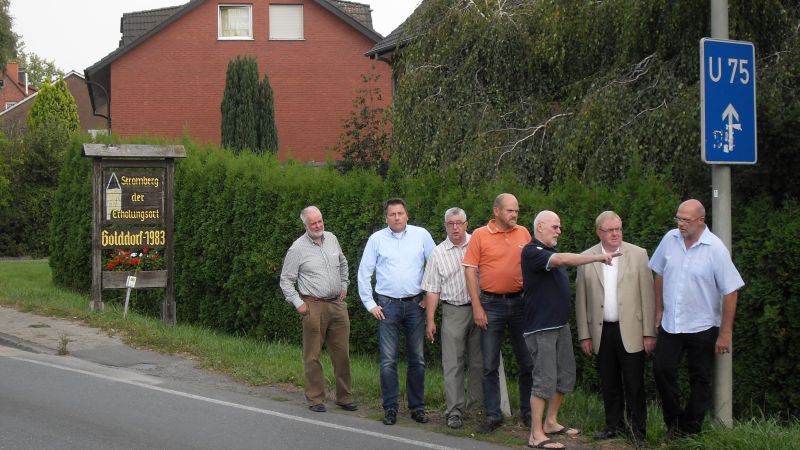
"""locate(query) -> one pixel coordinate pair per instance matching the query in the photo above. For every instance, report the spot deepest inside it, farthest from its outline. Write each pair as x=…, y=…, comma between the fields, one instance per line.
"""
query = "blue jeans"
x=499, y=313
x=410, y=318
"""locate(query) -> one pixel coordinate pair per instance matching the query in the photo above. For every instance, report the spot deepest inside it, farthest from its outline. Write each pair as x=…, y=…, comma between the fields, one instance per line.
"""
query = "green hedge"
x=236, y=215
x=766, y=358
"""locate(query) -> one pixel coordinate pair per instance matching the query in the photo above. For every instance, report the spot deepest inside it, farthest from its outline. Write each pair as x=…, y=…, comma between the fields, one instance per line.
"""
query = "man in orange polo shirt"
x=494, y=252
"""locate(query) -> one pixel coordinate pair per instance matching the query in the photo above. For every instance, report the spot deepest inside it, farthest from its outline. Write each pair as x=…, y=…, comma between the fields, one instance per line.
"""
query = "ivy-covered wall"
x=549, y=90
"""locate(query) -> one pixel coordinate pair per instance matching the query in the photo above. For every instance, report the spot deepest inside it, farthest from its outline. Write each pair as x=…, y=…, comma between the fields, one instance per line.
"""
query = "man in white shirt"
x=614, y=310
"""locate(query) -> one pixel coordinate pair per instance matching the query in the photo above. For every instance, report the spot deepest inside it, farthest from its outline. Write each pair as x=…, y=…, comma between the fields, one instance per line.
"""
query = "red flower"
x=110, y=266
x=153, y=256
x=145, y=250
x=135, y=261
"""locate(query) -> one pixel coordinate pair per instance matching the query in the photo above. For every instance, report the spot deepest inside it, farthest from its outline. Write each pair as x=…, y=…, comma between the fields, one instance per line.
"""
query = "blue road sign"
x=728, y=101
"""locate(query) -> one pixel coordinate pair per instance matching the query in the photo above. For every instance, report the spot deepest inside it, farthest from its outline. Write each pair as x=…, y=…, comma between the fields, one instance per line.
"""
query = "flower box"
x=144, y=280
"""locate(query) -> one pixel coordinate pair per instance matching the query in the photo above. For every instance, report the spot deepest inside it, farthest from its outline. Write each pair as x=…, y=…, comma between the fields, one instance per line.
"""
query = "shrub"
x=236, y=215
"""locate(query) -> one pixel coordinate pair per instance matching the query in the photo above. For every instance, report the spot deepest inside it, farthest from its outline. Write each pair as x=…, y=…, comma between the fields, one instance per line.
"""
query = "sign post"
x=728, y=136
x=132, y=215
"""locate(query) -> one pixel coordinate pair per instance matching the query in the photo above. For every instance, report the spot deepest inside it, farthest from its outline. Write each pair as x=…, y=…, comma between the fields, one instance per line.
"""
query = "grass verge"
x=27, y=286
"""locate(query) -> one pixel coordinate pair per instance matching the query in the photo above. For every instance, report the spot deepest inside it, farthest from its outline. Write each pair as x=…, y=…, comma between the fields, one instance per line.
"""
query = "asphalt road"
x=64, y=402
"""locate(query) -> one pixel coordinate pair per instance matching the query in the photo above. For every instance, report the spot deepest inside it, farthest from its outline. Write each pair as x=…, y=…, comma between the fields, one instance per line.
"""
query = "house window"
x=235, y=22
x=286, y=22
x=10, y=104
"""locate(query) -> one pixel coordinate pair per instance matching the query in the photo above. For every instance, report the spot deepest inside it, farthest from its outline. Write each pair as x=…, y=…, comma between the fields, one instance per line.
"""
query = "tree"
x=54, y=106
x=52, y=120
x=239, y=122
x=8, y=39
x=265, y=112
x=548, y=91
x=366, y=140
x=38, y=69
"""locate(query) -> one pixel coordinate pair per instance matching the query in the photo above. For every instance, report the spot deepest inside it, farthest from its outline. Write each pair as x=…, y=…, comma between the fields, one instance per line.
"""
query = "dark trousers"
x=622, y=381
x=699, y=350
x=499, y=314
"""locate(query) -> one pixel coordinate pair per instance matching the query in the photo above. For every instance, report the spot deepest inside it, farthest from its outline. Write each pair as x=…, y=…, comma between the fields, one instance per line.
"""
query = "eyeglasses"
x=680, y=220
x=455, y=224
x=611, y=230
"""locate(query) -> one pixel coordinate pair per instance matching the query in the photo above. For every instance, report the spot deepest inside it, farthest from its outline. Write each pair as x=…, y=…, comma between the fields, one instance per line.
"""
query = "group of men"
x=500, y=277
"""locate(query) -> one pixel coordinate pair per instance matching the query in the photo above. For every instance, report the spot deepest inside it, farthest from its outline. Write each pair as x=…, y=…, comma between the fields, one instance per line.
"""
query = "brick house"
x=14, y=86
x=15, y=118
x=167, y=77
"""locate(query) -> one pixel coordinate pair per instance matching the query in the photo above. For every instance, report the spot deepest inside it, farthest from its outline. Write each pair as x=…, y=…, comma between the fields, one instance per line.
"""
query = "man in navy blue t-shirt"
x=547, y=295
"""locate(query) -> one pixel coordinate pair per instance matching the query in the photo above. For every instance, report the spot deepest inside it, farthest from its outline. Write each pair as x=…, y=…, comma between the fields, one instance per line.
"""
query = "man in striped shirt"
x=461, y=338
x=316, y=265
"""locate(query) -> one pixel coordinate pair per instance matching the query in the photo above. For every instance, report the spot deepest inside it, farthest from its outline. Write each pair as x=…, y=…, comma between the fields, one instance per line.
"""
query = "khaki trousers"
x=326, y=323
x=461, y=351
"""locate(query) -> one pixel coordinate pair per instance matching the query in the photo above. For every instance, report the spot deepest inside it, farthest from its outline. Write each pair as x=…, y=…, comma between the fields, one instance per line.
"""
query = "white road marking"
x=239, y=406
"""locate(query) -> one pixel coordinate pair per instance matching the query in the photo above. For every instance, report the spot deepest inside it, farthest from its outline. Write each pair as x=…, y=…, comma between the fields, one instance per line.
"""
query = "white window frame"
x=275, y=14
x=249, y=8
x=10, y=104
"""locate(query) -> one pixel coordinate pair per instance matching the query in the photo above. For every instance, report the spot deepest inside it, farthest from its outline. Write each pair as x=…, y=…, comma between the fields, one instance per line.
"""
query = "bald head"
x=506, y=211
x=547, y=228
x=693, y=207
x=691, y=219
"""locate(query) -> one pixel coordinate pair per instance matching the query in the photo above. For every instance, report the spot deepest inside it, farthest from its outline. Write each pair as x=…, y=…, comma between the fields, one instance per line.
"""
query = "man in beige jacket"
x=614, y=306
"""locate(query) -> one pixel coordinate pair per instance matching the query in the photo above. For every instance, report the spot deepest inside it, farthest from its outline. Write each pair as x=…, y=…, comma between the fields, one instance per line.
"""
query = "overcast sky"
x=77, y=33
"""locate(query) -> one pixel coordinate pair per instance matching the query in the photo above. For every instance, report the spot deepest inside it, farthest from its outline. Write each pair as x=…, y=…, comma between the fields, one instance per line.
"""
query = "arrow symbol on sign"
x=730, y=115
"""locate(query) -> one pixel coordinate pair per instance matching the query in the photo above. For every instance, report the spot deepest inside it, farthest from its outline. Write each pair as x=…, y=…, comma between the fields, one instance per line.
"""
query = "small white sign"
x=130, y=282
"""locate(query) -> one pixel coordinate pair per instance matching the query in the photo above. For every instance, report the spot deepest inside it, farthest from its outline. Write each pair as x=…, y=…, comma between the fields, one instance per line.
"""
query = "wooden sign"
x=132, y=213
x=133, y=197
x=133, y=238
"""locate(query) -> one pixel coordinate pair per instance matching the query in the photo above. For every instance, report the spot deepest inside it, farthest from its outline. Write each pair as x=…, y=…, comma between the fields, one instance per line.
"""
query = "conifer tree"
x=52, y=120
x=54, y=106
x=267, y=128
x=239, y=129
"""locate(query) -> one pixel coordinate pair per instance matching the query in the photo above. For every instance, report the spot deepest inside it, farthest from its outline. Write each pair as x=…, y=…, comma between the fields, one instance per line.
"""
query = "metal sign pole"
x=721, y=211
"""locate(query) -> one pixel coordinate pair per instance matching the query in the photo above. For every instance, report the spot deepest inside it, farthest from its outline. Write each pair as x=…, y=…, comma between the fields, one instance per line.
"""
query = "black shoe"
x=419, y=416
x=490, y=425
x=347, y=406
x=455, y=422
x=319, y=407
x=390, y=417
x=606, y=434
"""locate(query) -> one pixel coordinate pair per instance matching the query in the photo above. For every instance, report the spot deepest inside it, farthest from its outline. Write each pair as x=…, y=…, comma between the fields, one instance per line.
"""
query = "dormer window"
x=286, y=22
x=235, y=22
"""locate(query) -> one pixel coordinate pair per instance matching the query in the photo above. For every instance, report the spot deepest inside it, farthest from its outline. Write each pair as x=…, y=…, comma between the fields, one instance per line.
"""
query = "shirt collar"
x=539, y=243
x=604, y=251
x=492, y=227
x=448, y=244
x=392, y=233
x=322, y=238
x=704, y=239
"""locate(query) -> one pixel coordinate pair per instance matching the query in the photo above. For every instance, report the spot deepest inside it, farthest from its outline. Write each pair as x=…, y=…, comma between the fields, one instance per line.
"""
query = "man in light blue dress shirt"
x=696, y=286
x=397, y=255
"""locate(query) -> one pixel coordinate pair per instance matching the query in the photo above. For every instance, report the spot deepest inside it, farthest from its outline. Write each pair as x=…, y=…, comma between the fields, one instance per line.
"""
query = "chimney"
x=12, y=71
x=23, y=79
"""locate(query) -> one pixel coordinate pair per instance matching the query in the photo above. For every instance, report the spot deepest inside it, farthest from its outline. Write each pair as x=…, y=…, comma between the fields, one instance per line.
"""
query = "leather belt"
x=457, y=306
x=404, y=299
x=310, y=298
x=509, y=295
